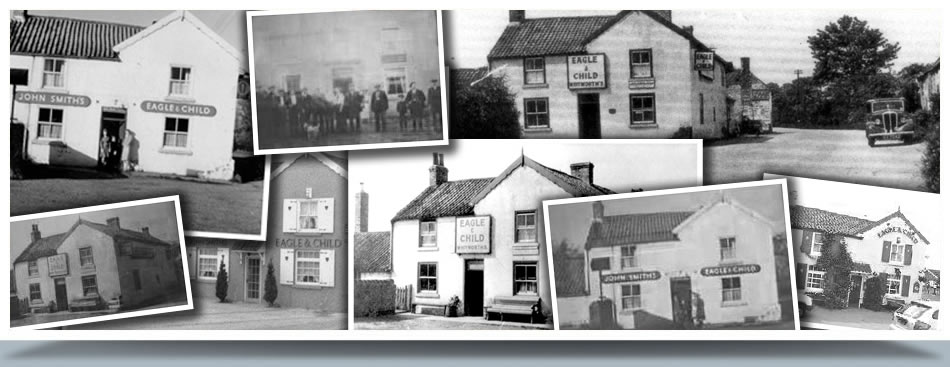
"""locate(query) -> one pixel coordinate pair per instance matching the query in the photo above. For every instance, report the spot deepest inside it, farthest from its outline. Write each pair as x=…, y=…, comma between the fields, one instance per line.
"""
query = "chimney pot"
x=583, y=171
x=36, y=235
x=516, y=16
x=745, y=64
x=438, y=174
x=113, y=222
x=688, y=29
x=145, y=230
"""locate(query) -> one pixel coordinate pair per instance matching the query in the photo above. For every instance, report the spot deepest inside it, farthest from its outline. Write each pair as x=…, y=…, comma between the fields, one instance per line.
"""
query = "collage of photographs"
x=340, y=173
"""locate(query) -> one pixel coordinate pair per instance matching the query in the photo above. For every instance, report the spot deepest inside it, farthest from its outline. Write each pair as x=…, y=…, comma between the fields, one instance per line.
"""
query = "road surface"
x=839, y=155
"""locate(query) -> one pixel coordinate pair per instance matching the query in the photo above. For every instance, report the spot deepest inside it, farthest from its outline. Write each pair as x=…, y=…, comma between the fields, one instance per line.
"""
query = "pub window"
x=641, y=64
x=308, y=267
x=180, y=82
x=35, y=294
x=731, y=289
x=85, y=257
x=33, y=269
x=893, y=284
x=897, y=252
x=817, y=239
x=176, y=132
x=628, y=257
x=526, y=229
x=427, y=234
x=526, y=278
x=396, y=81
x=642, y=109
x=137, y=279
x=536, y=113
x=54, y=73
x=50, y=123
x=89, y=286
x=534, y=70
x=307, y=215
x=630, y=296
x=428, y=277
x=727, y=248
x=207, y=263
x=814, y=278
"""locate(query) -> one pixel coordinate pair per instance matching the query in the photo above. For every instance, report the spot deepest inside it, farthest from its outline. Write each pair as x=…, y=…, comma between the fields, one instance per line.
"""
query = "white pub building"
x=157, y=99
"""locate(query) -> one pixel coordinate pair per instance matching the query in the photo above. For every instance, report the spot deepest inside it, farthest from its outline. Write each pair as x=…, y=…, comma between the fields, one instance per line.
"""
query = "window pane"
x=542, y=106
x=534, y=77
x=44, y=114
x=57, y=115
x=182, y=125
x=169, y=124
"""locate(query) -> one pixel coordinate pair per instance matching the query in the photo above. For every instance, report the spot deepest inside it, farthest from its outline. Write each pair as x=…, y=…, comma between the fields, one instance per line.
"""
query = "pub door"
x=854, y=295
x=588, y=115
x=681, y=294
x=110, y=139
x=474, y=287
x=252, y=278
x=62, y=298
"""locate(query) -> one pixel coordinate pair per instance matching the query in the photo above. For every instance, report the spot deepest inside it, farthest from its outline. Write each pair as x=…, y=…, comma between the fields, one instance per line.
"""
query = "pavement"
x=839, y=155
x=851, y=317
x=408, y=321
x=366, y=135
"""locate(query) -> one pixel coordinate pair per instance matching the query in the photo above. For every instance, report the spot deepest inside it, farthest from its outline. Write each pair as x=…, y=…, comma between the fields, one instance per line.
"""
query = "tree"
x=486, y=110
x=848, y=47
x=930, y=163
x=270, y=286
x=909, y=88
x=836, y=261
x=221, y=288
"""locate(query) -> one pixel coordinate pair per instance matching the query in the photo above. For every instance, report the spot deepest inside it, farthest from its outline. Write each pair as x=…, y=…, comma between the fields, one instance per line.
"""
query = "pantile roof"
x=628, y=229
x=373, y=252
x=463, y=77
x=67, y=37
x=569, y=277
x=827, y=222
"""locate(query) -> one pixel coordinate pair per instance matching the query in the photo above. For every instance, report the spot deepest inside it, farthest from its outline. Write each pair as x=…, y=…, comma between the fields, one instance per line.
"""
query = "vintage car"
x=888, y=121
x=917, y=315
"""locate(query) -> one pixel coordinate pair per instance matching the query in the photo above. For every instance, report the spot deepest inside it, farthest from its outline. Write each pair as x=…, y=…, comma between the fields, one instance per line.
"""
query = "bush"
x=270, y=286
x=221, y=288
x=930, y=163
x=486, y=110
x=836, y=260
x=874, y=292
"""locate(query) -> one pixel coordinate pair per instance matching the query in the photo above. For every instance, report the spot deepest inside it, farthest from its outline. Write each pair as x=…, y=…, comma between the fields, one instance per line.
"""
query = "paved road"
x=840, y=155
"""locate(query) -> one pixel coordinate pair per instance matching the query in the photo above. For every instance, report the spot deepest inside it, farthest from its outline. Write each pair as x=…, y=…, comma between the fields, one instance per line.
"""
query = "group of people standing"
x=293, y=113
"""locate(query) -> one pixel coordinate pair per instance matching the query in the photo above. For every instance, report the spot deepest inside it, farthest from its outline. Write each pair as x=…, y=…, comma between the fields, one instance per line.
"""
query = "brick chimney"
x=667, y=14
x=745, y=64
x=688, y=29
x=598, y=210
x=36, y=235
x=18, y=15
x=145, y=230
x=515, y=16
x=583, y=171
x=362, y=210
x=113, y=222
x=438, y=174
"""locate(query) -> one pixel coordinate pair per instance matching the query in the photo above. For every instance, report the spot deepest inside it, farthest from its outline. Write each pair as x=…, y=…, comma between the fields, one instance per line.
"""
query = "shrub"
x=270, y=286
x=930, y=163
x=221, y=288
x=836, y=260
x=486, y=110
x=874, y=292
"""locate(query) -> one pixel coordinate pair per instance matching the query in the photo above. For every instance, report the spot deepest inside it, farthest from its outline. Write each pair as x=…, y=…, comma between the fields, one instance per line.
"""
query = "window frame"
x=424, y=233
x=315, y=259
x=85, y=287
x=396, y=73
x=817, y=239
x=213, y=256
x=61, y=74
x=649, y=52
x=33, y=268
x=516, y=282
x=187, y=83
x=543, y=70
x=626, y=293
x=533, y=228
x=652, y=97
x=38, y=293
x=730, y=247
x=537, y=115
x=632, y=256
x=814, y=274
x=311, y=204
x=87, y=261
x=177, y=133
x=434, y=278
x=734, y=289
x=893, y=279
x=53, y=124
x=287, y=84
x=897, y=251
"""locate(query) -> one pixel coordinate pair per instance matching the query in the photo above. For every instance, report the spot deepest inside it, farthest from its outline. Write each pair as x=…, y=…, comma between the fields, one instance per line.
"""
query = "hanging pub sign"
x=715, y=271
x=57, y=265
x=637, y=276
x=587, y=71
x=909, y=233
x=704, y=61
x=473, y=235
x=55, y=99
x=179, y=108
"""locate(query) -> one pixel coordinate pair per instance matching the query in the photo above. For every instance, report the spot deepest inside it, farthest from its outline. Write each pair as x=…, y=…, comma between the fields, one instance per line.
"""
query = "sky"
x=160, y=218
x=393, y=180
x=571, y=222
x=774, y=39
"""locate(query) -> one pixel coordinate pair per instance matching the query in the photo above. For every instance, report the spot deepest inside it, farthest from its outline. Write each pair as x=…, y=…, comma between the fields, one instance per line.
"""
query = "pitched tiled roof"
x=893, y=215
x=67, y=37
x=373, y=252
x=742, y=78
x=43, y=248
x=123, y=234
x=635, y=228
x=825, y=221
x=547, y=36
x=463, y=77
x=445, y=200
x=47, y=246
x=569, y=277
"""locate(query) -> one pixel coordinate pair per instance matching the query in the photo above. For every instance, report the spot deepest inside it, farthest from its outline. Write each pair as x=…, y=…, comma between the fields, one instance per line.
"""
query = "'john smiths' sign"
x=179, y=108
x=473, y=235
x=56, y=99
x=637, y=276
x=724, y=270
x=586, y=71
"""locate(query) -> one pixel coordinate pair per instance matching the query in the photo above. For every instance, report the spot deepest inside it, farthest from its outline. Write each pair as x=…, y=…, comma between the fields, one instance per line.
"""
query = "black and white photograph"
x=346, y=80
x=451, y=238
x=841, y=94
x=704, y=258
x=121, y=105
x=866, y=258
x=99, y=263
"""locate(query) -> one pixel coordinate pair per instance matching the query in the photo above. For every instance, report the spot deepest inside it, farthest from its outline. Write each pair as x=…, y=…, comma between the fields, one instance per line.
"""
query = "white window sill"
x=735, y=304
x=52, y=89
x=427, y=295
x=429, y=248
x=180, y=98
x=175, y=151
x=535, y=86
x=532, y=130
x=309, y=286
x=630, y=311
x=651, y=125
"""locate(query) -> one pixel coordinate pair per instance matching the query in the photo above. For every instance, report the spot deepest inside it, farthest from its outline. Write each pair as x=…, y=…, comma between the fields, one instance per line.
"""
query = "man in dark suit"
x=379, y=103
x=417, y=104
x=435, y=103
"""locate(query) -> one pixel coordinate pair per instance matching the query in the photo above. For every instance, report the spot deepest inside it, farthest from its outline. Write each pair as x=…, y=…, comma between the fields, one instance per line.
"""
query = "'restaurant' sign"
x=704, y=61
x=473, y=235
x=57, y=265
x=56, y=99
x=909, y=233
x=714, y=271
x=586, y=71
x=637, y=276
x=179, y=108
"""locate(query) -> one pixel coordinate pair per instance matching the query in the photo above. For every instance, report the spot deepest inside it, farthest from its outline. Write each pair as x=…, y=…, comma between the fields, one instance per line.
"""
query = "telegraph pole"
x=801, y=105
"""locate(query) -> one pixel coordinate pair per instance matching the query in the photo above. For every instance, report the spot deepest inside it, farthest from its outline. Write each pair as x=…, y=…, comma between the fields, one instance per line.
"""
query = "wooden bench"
x=514, y=305
x=90, y=303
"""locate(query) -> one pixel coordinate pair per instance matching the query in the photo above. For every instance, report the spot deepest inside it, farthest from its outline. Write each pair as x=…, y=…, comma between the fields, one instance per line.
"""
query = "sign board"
x=587, y=71
x=600, y=263
x=473, y=235
x=58, y=265
x=179, y=108
x=642, y=83
x=637, y=276
x=907, y=232
x=724, y=270
x=56, y=99
x=19, y=76
x=704, y=61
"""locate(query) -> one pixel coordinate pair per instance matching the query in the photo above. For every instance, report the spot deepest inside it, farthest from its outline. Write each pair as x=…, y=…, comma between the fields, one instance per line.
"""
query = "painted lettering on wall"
x=58, y=265
x=56, y=99
x=586, y=71
x=473, y=235
x=895, y=229
x=637, y=276
x=714, y=271
x=179, y=108
x=305, y=243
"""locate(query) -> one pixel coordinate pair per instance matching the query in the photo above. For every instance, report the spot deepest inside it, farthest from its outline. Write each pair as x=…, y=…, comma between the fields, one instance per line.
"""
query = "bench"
x=89, y=303
x=515, y=305
x=439, y=308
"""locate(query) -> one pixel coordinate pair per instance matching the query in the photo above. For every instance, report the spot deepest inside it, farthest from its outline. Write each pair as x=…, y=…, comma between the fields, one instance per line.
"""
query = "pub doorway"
x=252, y=278
x=62, y=298
x=111, y=134
x=681, y=297
x=588, y=115
x=474, y=287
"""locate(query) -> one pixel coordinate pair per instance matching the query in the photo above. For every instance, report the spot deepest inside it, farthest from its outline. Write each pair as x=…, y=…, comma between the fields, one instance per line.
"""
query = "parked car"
x=805, y=304
x=888, y=121
x=916, y=315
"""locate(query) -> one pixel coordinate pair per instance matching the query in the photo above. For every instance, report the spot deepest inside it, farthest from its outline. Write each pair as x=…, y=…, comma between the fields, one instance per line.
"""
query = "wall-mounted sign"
x=704, y=61
x=179, y=108
x=587, y=71
x=58, y=265
x=642, y=83
x=56, y=99
x=600, y=263
x=718, y=271
x=473, y=235
x=895, y=229
x=637, y=276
